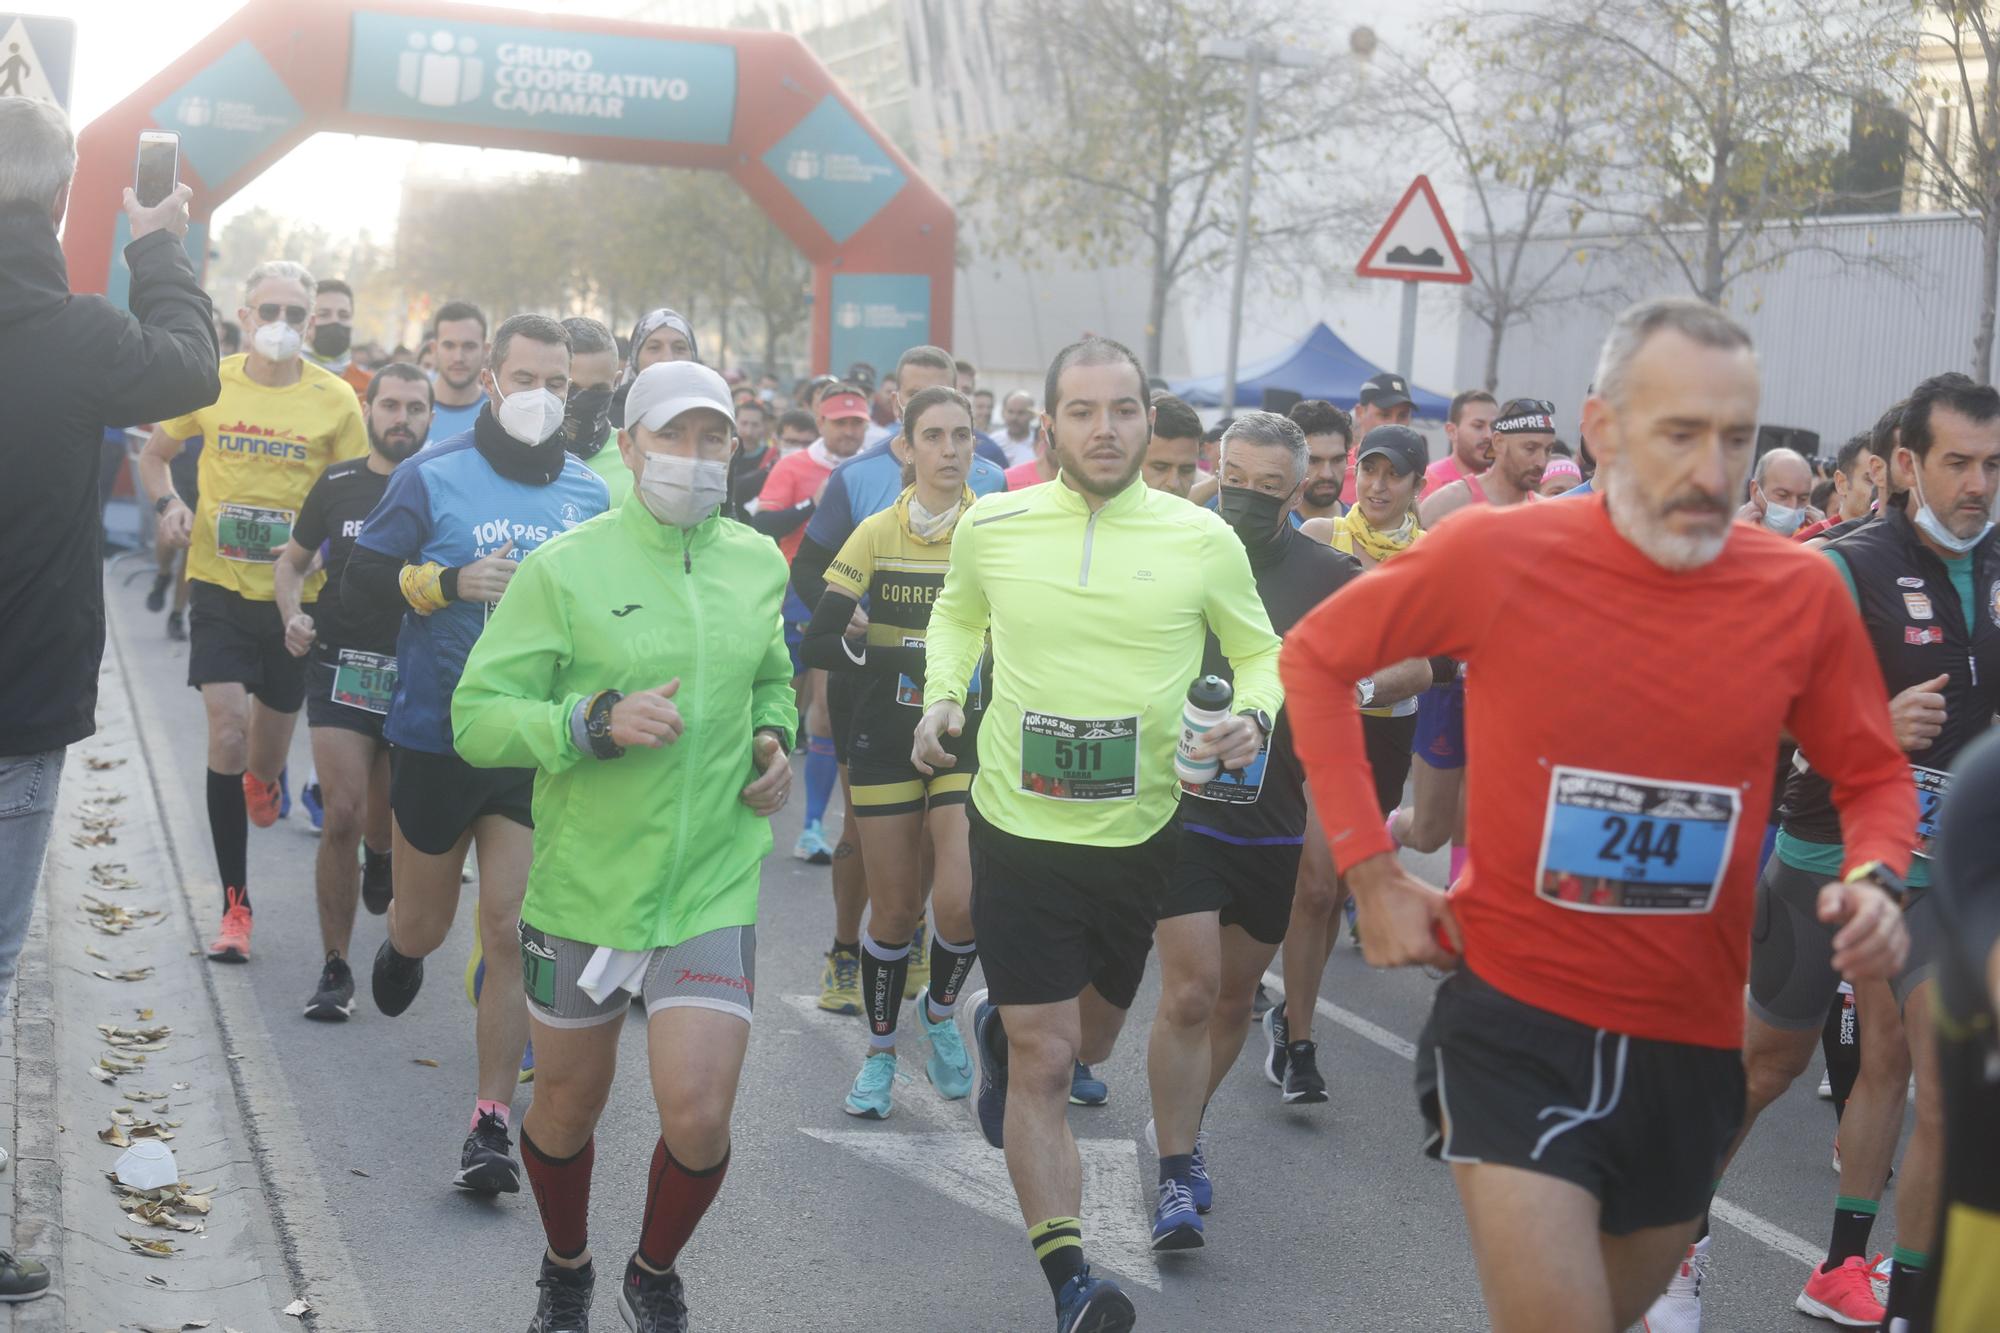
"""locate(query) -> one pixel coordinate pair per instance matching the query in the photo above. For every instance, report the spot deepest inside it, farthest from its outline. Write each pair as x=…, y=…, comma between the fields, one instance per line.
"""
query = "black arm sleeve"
x=162, y=361
x=781, y=522
x=809, y=570
x=826, y=645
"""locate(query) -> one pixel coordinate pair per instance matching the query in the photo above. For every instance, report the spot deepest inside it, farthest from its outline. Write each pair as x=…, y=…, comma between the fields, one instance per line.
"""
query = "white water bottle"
x=1208, y=702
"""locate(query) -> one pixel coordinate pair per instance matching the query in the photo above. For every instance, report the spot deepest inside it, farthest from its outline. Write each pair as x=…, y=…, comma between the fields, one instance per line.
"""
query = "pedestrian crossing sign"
x=36, y=57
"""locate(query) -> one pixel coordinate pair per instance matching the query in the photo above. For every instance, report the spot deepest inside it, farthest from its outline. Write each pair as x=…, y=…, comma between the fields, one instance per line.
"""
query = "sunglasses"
x=294, y=314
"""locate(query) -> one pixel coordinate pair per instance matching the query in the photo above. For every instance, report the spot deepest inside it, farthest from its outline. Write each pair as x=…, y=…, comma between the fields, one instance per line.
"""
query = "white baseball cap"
x=666, y=389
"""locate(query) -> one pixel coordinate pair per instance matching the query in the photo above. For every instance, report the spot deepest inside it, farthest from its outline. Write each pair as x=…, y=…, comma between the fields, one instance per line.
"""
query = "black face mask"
x=586, y=418
x=331, y=340
x=1252, y=513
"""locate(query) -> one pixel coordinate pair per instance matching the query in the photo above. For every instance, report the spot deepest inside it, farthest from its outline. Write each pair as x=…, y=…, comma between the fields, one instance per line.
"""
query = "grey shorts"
x=713, y=971
x=1792, y=980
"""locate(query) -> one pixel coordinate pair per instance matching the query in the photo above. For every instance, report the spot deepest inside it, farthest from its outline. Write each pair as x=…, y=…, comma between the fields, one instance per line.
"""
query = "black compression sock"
x=1058, y=1243
x=229, y=829
x=1906, y=1272
x=951, y=964
x=1853, y=1219
x=1840, y=1041
x=883, y=972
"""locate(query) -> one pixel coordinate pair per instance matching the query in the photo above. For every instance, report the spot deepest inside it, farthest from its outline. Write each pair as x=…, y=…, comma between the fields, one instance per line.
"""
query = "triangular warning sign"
x=1416, y=244
x=21, y=68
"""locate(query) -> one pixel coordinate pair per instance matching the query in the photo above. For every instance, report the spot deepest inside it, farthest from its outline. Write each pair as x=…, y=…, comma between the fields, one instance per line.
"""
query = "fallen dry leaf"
x=145, y=1015
x=92, y=950
x=298, y=1309
x=100, y=765
x=425, y=1061
x=182, y=1087
x=152, y=1249
x=156, y=1281
x=101, y=1074
x=115, y=1136
x=181, y=1327
x=99, y=839
x=112, y=875
x=357, y=1171
x=129, y=974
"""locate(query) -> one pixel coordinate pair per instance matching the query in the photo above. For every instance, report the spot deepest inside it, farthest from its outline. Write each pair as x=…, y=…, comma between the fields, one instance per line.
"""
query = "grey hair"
x=1764, y=463
x=1273, y=431
x=282, y=269
x=1692, y=319
x=37, y=151
x=587, y=336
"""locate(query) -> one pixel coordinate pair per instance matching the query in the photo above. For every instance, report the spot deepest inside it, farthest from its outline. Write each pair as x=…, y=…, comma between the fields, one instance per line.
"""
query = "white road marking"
x=1745, y=1221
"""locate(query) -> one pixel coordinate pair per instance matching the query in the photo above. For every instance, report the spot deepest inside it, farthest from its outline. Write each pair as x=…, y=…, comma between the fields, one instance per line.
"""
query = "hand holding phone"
x=157, y=200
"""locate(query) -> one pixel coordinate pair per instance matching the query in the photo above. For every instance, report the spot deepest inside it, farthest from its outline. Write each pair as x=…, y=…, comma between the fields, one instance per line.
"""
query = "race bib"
x=250, y=534
x=910, y=693
x=1235, y=787
x=364, y=680
x=1613, y=843
x=1079, y=759
x=1931, y=785
x=538, y=967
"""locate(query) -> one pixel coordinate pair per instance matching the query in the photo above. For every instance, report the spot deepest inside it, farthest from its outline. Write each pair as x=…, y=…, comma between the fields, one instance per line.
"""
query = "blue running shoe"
x=1199, y=1185
x=812, y=846
x=949, y=1066
x=284, y=792
x=1089, y=1304
x=1085, y=1088
x=869, y=1098
x=991, y=1039
x=309, y=798
x=527, y=1062
x=1176, y=1225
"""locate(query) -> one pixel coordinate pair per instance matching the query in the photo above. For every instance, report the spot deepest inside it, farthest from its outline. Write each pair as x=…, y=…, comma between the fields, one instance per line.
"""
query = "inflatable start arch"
x=757, y=105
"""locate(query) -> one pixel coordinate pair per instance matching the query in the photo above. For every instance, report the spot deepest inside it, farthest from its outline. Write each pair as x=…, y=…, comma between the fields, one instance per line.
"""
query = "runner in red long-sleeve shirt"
x=1581, y=1070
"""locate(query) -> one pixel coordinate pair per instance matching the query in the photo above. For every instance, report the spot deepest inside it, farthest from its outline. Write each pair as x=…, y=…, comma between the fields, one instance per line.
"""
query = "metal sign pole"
x=1406, y=340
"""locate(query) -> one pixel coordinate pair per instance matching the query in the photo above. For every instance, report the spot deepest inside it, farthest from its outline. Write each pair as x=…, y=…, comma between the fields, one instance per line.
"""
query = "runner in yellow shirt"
x=279, y=423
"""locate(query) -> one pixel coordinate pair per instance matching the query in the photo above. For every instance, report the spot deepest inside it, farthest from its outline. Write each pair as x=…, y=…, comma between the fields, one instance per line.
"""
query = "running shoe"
x=284, y=792
x=1678, y=1309
x=564, y=1306
x=1353, y=923
x=527, y=1063
x=21, y=1279
x=1836, y=1152
x=1275, y=1040
x=990, y=1107
x=315, y=810
x=1089, y=1304
x=652, y=1302
x=1086, y=1088
x=949, y=1065
x=1199, y=1185
x=177, y=626
x=378, y=885
x=919, y=974
x=396, y=980
x=1844, y=1295
x=812, y=846
x=1176, y=1225
x=870, y=1097
x=156, y=596
x=232, y=943
x=334, y=1000
x=840, y=982
x=1826, y=1087
x=1303, y=1085
x=261, y=799
x=1261, y=1002
x=487, y=1164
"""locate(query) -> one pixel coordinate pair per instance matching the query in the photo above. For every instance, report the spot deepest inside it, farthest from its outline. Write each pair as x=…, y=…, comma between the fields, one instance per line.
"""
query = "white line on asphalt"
x=1745, y=1221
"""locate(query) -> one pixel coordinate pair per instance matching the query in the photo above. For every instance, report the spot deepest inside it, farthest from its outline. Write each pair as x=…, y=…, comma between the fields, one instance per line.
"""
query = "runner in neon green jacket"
x=653, y=847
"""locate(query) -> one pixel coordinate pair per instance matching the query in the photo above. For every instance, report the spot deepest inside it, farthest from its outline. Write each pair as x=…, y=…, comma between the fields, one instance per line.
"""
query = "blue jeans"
x=28, y=785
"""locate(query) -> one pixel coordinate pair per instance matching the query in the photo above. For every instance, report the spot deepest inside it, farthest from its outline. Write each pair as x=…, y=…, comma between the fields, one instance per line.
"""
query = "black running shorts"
x=1792, y=980
x=843, y=699
x=323, y=710
x=1054, y=917
x=1388, y=741
x=1248, y=885
x=437, y=797
x=1643, y=1125
x=235, y=641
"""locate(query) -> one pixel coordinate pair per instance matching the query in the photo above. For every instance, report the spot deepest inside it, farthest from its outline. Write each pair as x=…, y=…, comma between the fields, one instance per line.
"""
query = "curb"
x=310, y=1254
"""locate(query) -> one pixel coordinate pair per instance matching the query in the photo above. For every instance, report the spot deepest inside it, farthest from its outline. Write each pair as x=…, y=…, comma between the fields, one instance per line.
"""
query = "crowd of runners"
x=1093, y=680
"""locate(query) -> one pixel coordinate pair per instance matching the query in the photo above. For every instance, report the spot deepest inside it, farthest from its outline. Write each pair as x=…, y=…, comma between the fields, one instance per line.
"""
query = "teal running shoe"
x=869, y=1098
x=950, y=1064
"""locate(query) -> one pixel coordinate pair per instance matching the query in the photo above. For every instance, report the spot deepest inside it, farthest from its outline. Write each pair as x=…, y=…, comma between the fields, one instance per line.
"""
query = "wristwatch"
x=1364, y=692
x=160, y=505
x=597, y=724
x=1880, y=875
x=1261, y=718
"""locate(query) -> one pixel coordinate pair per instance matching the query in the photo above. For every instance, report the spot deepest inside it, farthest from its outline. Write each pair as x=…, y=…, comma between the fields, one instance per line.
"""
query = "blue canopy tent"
x=1319, y=366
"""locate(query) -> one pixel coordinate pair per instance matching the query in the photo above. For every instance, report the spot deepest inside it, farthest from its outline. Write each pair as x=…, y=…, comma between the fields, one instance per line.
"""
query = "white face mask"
x=682, y=491
x=531, y=415
x=277, y=341
x=1933, y=527
x=1783, y=519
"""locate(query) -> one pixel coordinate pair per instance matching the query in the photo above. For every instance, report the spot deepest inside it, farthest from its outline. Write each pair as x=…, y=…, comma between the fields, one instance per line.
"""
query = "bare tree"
x=1724, y=121
x=1517, y=119
x=1133, y=149
x=1950, y=85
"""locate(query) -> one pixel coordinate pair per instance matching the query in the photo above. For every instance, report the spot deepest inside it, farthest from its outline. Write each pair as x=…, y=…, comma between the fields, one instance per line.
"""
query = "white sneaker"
x=1678, y=1310
x=1826, y=1087
x=5, y=1157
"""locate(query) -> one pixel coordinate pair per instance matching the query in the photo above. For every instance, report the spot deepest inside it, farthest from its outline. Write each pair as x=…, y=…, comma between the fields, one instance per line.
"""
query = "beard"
x=1320, y=494
x=1104, y=490
x=398, y=445
x=1641, y=520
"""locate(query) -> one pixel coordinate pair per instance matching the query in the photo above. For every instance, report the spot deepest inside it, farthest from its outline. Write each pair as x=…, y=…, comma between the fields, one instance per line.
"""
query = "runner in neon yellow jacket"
x=638, y=663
